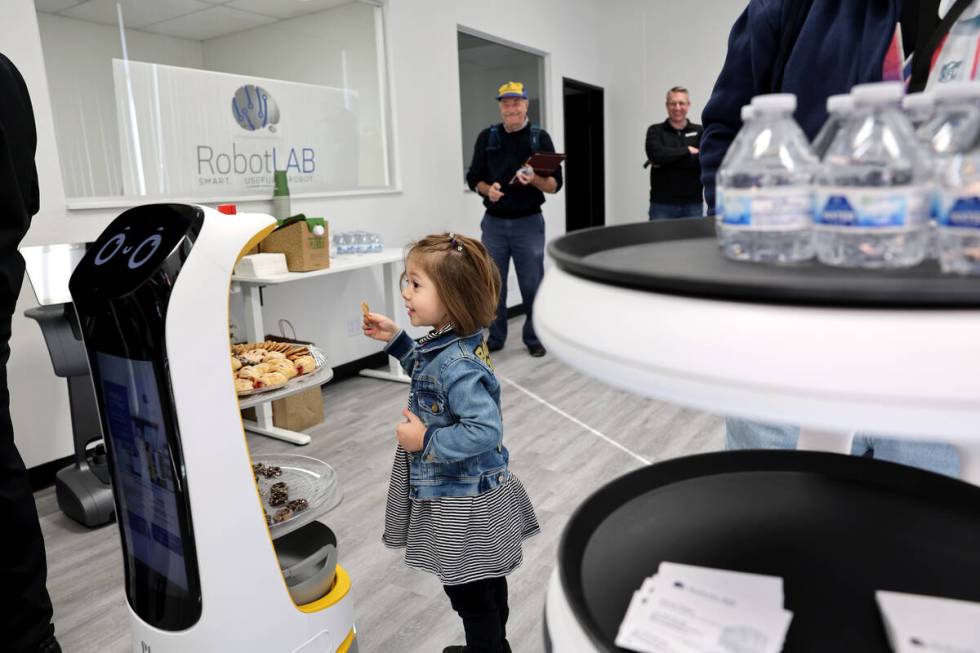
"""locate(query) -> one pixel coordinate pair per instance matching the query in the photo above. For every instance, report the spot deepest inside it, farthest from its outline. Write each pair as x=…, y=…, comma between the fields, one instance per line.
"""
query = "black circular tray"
x=836, y=528
x=682, y=257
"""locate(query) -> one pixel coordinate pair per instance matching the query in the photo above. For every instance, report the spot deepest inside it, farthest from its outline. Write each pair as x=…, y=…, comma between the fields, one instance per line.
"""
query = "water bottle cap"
x=747, y=113
x=916, y=101
x=957, y=91
x=840, y=103
x=774, y=102
x=878, y=93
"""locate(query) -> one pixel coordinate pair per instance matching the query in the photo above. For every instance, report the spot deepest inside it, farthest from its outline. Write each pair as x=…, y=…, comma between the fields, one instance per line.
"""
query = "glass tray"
x=306, y=478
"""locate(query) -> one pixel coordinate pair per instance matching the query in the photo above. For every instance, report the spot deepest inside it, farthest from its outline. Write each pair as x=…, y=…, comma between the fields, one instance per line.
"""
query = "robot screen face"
x=134, y=246
x=121, y=290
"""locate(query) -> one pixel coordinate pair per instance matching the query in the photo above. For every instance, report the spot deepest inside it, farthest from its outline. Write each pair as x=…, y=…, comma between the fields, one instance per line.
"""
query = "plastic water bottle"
x=344, y=244
x=919, y=108
x=873, y=188
x=956, y=158
x=767, y=187
x=949, y=133
x=838, y=108
x=376, y=246
x=737, y=143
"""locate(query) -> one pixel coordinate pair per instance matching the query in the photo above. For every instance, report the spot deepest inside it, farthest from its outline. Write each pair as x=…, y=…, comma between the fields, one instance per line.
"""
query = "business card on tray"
x=685, y=609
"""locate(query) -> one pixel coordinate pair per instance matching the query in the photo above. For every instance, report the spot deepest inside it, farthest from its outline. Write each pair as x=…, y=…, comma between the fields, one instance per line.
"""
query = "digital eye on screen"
x=110, y=249
x=144, y=251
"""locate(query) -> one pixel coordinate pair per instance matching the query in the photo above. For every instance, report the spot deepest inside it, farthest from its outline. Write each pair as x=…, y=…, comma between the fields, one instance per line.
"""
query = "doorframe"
x=568, y=81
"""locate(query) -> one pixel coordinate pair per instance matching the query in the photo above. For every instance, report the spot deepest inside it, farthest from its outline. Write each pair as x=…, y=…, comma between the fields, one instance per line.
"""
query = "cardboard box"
x=296, y=412
x=304, y=249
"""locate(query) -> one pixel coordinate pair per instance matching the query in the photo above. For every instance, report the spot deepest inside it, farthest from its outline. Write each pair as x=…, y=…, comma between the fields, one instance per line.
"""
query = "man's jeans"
x=933, y=456
x=660, y=211
x=523, y=240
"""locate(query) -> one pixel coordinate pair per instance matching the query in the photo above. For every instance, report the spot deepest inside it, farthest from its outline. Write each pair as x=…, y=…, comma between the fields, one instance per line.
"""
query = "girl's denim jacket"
x=456, y=395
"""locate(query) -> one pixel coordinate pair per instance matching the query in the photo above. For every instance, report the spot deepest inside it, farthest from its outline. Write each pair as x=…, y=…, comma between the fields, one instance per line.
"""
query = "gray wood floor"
x=399, y=609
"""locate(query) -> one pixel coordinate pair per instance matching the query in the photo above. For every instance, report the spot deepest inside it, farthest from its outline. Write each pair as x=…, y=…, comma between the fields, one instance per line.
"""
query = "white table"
x=390, y=260
x=834, y=371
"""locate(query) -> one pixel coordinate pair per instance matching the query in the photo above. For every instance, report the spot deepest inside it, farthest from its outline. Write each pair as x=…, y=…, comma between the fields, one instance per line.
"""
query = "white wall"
x=78, y=56
x=335, y=48
x=598, y=42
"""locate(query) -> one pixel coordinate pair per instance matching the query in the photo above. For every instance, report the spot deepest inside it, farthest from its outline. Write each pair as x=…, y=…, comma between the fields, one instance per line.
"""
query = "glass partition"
x=203, y=101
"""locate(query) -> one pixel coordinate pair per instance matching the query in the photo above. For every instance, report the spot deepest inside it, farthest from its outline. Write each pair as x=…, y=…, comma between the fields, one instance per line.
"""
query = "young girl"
x=452, y=501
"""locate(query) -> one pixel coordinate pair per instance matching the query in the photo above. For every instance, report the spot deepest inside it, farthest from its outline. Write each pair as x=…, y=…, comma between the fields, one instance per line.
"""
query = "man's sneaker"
x=454, y=649
x=494, y=347
x=537, y=351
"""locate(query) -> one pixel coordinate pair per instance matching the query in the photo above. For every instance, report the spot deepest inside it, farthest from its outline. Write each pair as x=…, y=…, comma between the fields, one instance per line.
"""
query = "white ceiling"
x=190, y=19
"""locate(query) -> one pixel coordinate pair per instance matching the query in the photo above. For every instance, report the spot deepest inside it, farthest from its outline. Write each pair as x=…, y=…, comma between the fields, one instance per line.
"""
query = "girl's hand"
x=379, y=327
x=411, y=432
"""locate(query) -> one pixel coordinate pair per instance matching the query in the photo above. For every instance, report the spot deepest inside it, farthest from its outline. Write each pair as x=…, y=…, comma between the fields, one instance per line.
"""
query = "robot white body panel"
x=244, y=602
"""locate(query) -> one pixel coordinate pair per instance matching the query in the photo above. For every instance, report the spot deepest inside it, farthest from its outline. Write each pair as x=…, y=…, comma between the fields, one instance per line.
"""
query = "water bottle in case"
x=918, y=108
x=956, y=153
x=838, y=108
x=737, y=143
x=767, y=188
x=874, y=185
x=949, y=133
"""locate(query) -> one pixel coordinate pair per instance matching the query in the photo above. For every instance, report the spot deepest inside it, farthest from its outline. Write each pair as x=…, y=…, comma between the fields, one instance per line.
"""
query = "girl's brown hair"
x=464, y=275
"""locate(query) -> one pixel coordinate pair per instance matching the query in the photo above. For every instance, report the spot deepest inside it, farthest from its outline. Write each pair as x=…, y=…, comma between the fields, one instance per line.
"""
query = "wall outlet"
x=354, y=325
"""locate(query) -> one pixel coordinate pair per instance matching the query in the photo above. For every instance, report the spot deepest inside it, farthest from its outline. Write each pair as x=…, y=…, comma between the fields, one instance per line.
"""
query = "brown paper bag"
x=304, y=250
x=296, y=412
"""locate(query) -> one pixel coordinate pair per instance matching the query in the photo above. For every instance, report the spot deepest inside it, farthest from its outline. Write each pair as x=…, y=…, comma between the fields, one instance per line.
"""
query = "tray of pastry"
x=294, y=490
x=261, y=367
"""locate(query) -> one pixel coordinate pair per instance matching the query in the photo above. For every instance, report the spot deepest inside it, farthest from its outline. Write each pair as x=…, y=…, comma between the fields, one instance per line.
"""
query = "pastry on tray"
x=250, y=372
x=284, y=366
x=244, y=385
x=271, y=379
x=305, y=364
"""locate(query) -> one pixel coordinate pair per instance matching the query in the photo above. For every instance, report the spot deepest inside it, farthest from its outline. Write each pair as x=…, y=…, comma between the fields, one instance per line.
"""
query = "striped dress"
x=459, y=539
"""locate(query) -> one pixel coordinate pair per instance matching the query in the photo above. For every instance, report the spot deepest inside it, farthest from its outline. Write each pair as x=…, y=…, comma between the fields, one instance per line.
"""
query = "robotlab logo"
x=250, y=160
x=254, y=109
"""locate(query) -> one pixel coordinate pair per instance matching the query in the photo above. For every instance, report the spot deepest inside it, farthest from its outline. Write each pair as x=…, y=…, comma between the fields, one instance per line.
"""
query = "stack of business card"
x=921, y=624
x=686, y=609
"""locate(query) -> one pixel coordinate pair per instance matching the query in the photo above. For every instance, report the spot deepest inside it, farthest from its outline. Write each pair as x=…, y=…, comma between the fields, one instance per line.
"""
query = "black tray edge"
x=568, y=252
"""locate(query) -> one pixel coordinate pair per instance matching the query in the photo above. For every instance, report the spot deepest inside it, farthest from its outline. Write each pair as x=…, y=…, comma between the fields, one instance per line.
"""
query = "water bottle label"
x=873, y=207
x=959, y=211
x=791, y=208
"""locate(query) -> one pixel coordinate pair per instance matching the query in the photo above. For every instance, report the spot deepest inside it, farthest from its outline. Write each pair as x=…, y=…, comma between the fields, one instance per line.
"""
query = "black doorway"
x=585, y=186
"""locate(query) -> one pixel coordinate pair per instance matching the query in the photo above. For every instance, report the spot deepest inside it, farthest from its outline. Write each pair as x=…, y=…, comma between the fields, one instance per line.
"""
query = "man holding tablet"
x=513, y=226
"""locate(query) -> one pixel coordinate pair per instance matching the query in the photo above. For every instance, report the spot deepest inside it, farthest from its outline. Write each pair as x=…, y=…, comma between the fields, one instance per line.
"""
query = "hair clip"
x=455, y=243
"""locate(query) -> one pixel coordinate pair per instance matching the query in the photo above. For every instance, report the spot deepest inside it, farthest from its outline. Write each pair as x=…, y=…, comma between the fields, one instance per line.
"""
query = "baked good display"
x=268, y=365
x=293, y=490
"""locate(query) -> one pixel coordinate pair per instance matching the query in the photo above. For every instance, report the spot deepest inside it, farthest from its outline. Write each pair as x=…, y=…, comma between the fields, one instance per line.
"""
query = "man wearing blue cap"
x=513, y=226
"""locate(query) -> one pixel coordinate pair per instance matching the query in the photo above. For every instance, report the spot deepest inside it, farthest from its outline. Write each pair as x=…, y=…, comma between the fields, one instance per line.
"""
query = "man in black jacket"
x=25, y=609
x=513, y=226
x=672, y=150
